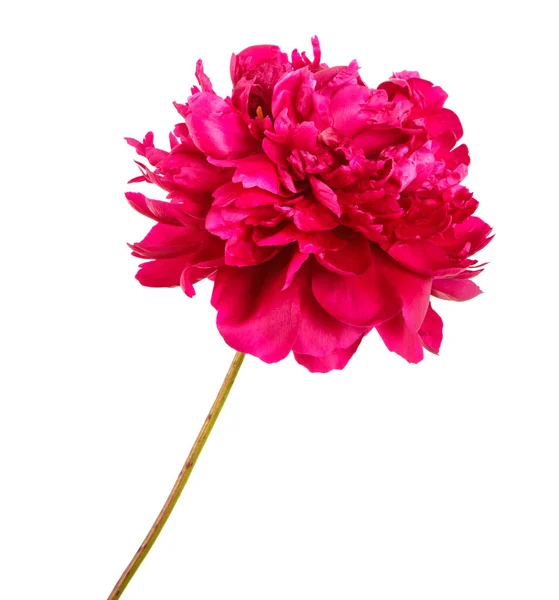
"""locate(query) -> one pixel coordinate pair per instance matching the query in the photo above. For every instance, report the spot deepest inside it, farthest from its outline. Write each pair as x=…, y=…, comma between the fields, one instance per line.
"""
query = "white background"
x=384, y=481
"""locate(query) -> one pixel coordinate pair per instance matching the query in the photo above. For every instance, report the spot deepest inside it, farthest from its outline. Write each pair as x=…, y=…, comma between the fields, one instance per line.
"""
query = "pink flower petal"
x=346, y=106
x=309, y=241
x=164, y=212
x=241, y=251
x=338, y=359
x=423, y=257
x=296, y=262
x=363, y=300
x=325, y=195
x=414, y=290
x=168, y=241
x=255, y=315
x=319, y=333
x=455, y=289
x=442, y=121
x=353, y=259
x=164, y=272
x=217, y=129
x=202, y=78
x=431, y=331
x=147, y=149
x=398, y=338
x=329, y=81
x=431, y=96
x=309, y=215
x=247, y=62
x=257, y=171
x=190, y=276
x=277, y=153
x=191, y=172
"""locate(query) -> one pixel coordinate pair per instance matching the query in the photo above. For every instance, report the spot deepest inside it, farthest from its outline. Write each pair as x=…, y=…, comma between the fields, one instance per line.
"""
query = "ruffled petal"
x=255, y=171
x=297, y=260
x=353, y=259
x=319, y=333
x=325, y=195
x=202, y=78
x=309, y=215
x=190, y=172
x=255, y=314
x=169, y=241
x=241, y=251
x=217, y=129
x=147, y=149
x=442, y=121
x=246, y=63
x=431, y=331
x=363, y=300
x=164, y=272
x=426, y=258
x=398, y=338
x=192, y=275
x=338, y=359
x=458, y=290
x=309, y=241
x=164, y=212
x=414, y=291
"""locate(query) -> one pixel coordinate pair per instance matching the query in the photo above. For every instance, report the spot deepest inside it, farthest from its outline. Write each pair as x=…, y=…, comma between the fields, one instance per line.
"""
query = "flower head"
x=321, y=208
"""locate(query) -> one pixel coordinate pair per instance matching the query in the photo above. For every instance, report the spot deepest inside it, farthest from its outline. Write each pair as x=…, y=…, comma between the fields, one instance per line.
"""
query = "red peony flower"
x=321, y=208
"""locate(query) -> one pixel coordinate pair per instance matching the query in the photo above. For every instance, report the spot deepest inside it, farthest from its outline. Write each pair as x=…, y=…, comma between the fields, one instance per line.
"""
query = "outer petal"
x=338, y=359
x=192, y=275
x=190, y=172
x=164, y=212
x=398, y=338
x=202, y=78
x=431, y=331
x=217, y=129
x=147, y=149
x=441, y=121
x=168, y=241
x=455, y=289
x=363, y=300
x=319, y=333
x=431, y=97
x=255, y=315
x=414, y=290
x=243, y=197
x=163, y=272
x=423, y=257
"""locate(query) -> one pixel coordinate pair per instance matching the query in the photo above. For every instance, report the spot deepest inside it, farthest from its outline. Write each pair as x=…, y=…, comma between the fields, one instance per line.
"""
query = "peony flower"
x=320, y=208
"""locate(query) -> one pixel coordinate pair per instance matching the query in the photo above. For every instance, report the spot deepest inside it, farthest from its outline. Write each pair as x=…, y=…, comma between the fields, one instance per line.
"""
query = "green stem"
x=181, y=479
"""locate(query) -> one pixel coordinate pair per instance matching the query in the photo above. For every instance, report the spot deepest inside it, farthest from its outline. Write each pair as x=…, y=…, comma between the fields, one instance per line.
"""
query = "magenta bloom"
x=321, y=208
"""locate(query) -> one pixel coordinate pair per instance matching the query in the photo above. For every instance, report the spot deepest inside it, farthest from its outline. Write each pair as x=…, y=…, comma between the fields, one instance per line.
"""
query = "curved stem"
x=181, y=479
